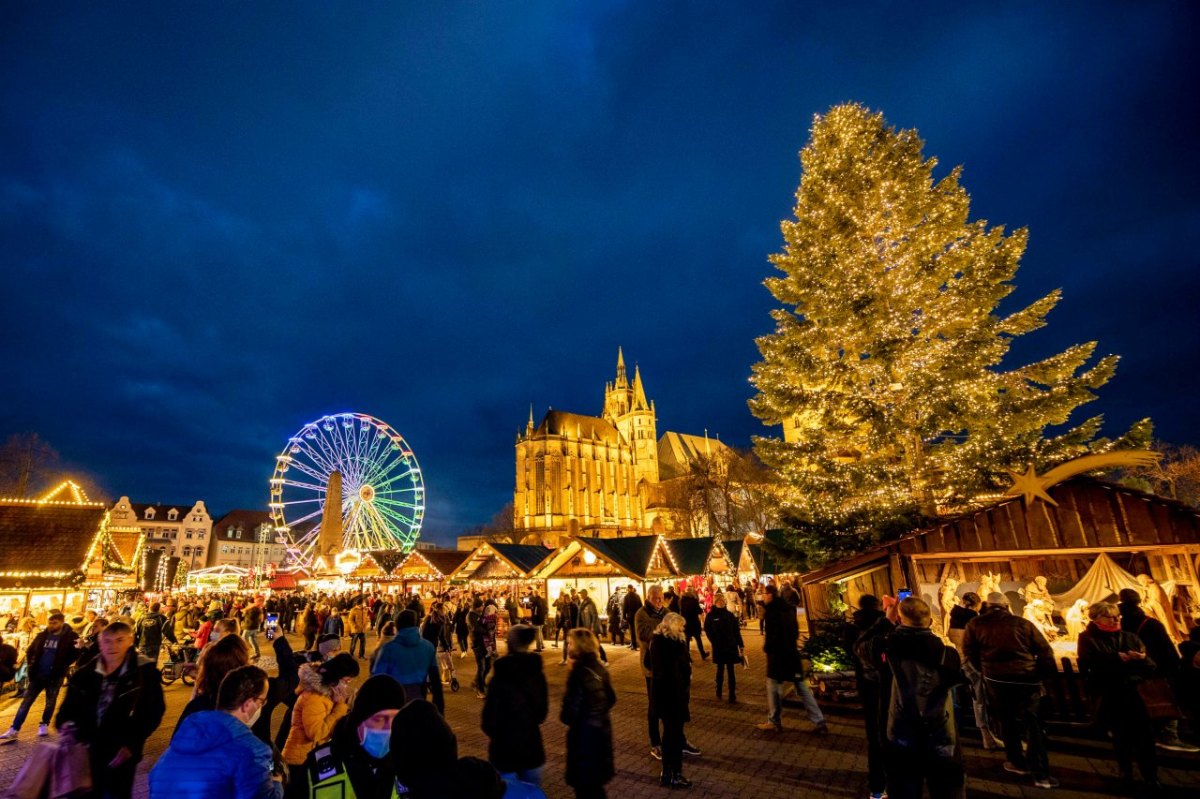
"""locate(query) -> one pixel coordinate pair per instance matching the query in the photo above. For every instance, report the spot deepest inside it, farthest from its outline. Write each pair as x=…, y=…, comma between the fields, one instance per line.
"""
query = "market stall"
x=426, y=570
x=1051, y=556
x=602, y=565
x=704, y=563
x=217, y=579
x=502, y=567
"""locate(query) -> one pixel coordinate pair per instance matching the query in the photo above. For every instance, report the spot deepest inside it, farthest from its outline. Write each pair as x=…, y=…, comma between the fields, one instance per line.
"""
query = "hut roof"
x=46, y=546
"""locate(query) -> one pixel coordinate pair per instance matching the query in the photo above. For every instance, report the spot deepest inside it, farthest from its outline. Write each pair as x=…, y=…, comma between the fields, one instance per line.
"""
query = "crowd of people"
x=390, y=737
x=1000, y=662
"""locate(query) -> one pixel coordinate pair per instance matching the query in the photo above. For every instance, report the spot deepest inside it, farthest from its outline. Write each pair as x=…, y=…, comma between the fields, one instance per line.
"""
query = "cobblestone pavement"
x=737, y=761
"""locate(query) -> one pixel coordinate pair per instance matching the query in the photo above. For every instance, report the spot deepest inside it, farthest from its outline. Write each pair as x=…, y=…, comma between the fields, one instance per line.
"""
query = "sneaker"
x=769, y=726
x=1014, y=769
x=43, y=730
x=880, y=795
x=9, y=737
x=821, y=729
x=1046, y=782
x=1178, y=746
x=689, y=749
x=656, y=752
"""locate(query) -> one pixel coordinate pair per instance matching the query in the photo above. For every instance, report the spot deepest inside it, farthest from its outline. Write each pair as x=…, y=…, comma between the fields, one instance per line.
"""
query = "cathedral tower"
x=627, y=409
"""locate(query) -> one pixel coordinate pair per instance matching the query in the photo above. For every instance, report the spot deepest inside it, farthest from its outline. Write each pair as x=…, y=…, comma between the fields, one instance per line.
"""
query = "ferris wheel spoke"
x=385, y=532
x=402, y=521
x=315, y=453
x=310, y=471
x=320, y=489
x=398, y=476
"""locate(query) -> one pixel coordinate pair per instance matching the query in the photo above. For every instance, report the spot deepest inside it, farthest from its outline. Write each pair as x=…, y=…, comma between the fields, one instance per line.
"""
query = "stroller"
x=446, y=662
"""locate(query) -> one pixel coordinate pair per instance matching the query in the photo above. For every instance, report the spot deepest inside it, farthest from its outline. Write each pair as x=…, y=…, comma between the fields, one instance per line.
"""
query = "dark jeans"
x=651, y=716
x=672, y=746
x=699, y=642
x=909, y=769
x=591, y=792
x=616, y=634
x=721, y=669
x=298, y=784
x=35, y=687
x=309, y=640
x=483, y=664
x=112, y=783
x=1019, y=708
x=361, y=640
x=1123, y=713
x=875, y=718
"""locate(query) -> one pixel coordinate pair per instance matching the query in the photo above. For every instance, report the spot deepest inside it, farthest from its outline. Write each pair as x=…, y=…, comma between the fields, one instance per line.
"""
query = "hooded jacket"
x=411, y=661
x=313, y=716
x=214, y=754
x=1153, y=634
x=587, y=700
x=516, y=705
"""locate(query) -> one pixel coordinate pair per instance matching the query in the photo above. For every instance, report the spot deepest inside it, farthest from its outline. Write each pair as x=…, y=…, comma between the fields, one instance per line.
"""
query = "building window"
x=200, y=534
x=189, y=534
x=149, y=513
x=187, y=550
x=172, y=514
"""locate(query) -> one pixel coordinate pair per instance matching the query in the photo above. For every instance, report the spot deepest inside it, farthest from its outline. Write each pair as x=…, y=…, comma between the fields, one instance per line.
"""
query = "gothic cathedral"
x=599, y=476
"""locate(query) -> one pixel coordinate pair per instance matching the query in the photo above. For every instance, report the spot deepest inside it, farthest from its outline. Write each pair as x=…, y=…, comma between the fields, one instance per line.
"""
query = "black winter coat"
x=671, y=668
x=630, y=605
x=1007, y=647
x=924, y=674
x=516, y=705
x=1159, y=645
x=689, y=608
x=63, y=657
x=725, y=634
x=135, y=713
x=587, y=700
x=779, y=641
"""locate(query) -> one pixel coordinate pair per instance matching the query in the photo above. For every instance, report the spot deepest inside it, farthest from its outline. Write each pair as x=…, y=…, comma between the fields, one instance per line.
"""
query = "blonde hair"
x=672, y=627
x=583, y=642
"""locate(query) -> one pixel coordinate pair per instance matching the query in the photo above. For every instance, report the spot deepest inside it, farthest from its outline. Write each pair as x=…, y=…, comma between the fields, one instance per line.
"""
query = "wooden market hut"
x=59, y=554
x=1088, y=524
x=494, y=565
x=429, y=569
x=602, y=565
x=702, y=559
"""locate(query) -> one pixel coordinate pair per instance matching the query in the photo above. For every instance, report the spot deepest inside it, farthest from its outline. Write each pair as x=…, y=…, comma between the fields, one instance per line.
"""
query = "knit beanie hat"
x=424, y=749
x=328, y=644
x=521, y=637
x=407, y=618
x=380, y=692
x=338, y=668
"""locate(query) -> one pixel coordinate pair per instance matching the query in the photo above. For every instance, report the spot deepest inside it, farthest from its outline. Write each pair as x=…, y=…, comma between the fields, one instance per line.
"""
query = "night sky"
x=220, y=221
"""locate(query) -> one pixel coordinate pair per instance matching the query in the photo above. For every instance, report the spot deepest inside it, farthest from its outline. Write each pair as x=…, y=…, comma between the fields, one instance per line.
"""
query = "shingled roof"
x=633, y=555
x=577, y=426
x=525, y=557
x=46, y=546
x=445, y=561
x=691, y=554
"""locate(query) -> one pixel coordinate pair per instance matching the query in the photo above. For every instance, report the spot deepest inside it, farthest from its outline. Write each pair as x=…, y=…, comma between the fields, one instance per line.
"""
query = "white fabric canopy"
x=1102, y=580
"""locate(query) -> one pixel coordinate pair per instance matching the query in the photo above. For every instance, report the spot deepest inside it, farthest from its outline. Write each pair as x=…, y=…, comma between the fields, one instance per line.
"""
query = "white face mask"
x=254, y=719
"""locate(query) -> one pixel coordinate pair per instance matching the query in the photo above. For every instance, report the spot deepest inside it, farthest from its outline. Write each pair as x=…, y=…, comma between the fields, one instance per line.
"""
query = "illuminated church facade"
x=602, y=476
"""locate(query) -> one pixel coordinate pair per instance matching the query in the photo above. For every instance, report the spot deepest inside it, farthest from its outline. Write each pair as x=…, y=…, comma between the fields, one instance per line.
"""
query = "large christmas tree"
x=886, y=364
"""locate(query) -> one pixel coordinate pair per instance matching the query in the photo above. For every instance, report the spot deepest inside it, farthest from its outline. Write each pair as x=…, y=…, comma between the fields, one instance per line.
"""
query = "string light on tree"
x=887, y=364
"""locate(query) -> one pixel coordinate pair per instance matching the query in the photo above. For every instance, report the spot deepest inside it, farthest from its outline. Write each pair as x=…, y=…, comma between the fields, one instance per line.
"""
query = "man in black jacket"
x=537, y=617
x=1014, y=658
x=630, y=605
x=922, y=738
x=781, y=631
x=516, y=705
x=1165, y=655
x=148, y=636
x=114, y=704
x=48, y=657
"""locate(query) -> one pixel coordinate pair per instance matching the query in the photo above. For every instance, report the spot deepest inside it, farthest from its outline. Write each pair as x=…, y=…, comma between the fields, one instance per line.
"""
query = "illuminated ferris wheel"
x=353, y=469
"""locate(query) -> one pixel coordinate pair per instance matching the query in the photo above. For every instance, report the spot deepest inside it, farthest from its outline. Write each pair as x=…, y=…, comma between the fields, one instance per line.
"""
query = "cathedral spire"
x=639, y=391
x=621, y=379
x=529, y=424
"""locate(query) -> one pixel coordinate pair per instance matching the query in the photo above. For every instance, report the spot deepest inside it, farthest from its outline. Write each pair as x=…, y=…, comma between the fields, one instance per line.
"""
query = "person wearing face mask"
x=355, y=762
x=214, y=752
x=113, y=705
x=324, y=695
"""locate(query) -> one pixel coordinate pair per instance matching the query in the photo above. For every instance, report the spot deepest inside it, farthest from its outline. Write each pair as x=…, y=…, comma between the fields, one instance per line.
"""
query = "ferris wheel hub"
x=366, y=493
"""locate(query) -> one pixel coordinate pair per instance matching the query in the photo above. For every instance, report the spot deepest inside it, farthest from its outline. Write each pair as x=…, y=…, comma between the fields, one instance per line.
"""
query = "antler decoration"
x=1031, y=486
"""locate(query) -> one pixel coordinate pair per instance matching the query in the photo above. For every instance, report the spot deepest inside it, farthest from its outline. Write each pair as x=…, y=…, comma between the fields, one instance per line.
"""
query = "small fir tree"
x=885, y=366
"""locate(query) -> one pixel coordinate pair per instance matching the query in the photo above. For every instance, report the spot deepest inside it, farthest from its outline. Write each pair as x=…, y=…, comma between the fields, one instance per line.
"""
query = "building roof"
x=525, y=557
x=577, y=426
x=246, y=520
x=632, y=554
x=677, y=451
x=388, y=560
x=691, y=554
x=46, y=545
x=444, y=561
x=734, y=548
x=161, y=510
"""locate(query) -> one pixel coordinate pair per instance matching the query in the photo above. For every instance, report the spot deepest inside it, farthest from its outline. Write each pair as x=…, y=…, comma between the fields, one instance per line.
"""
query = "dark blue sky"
x=221, y=221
